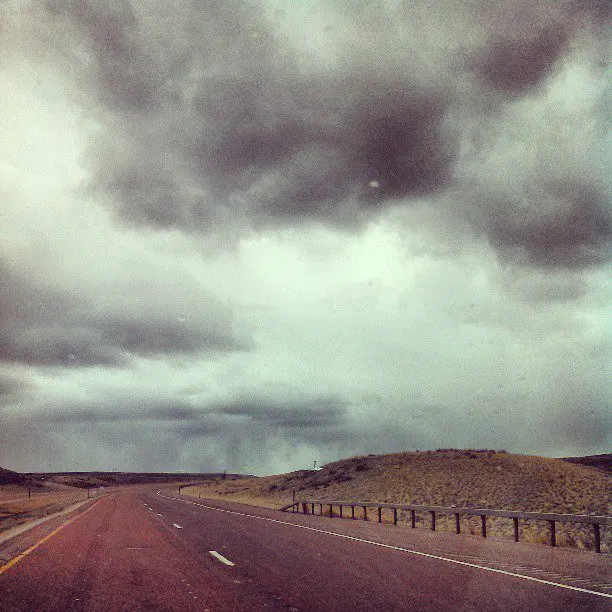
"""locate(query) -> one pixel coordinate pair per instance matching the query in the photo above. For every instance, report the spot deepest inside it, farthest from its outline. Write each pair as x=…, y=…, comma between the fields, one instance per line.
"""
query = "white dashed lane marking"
x=221, y=558
x=389, y=546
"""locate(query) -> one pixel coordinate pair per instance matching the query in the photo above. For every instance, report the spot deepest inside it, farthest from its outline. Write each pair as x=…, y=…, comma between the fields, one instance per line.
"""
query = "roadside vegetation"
x=23, y=499
x=447, y=477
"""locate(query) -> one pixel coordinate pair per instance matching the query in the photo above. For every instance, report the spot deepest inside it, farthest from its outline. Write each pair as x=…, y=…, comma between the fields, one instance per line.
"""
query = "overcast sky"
x=247, y=236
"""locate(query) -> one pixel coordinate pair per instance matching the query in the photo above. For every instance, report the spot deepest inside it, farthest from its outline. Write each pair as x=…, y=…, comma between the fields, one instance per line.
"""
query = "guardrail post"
x=516, y=528
x=553, y=534
x=308, y=507
x=597, y=533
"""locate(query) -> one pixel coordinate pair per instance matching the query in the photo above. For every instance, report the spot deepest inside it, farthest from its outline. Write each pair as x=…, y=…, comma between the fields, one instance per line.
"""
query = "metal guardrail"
x=596, y=521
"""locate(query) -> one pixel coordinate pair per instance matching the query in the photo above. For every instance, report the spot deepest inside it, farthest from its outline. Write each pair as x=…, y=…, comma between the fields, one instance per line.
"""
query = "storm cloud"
x=248, y=235
x=217, y=117
x=43, y=325
x=317, y=412
x=515, y=65
x=210, y=119
x=11, y=388
x=570, y=226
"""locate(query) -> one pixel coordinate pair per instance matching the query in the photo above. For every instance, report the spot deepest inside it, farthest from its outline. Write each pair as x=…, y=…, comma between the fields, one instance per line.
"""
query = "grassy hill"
x=466, y=478
x=601, y=462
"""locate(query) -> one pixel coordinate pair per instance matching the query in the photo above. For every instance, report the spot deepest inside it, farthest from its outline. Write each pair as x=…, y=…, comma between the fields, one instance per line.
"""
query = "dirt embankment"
x=464, y=478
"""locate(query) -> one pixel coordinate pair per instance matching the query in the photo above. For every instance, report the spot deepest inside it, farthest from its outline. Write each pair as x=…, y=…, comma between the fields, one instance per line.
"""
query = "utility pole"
x=315, y=465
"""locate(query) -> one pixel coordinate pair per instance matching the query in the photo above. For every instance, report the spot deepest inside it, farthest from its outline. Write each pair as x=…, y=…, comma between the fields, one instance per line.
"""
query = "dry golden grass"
x=17, y=508
x=473, y=479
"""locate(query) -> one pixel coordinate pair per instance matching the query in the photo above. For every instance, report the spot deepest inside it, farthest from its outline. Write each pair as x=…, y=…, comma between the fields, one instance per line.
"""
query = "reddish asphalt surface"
x=140, y=550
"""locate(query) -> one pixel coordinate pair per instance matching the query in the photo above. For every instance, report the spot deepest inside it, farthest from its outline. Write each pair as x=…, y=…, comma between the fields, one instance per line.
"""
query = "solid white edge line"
x=407, y=550
x=221, y=558
x=177, y=526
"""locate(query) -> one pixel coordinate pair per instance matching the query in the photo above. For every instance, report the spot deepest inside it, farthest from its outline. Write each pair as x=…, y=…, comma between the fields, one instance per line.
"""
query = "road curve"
x=144, y=550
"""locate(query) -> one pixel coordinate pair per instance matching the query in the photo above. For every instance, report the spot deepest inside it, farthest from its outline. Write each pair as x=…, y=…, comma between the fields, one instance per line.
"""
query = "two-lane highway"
x=120, y=555
x=153, y=550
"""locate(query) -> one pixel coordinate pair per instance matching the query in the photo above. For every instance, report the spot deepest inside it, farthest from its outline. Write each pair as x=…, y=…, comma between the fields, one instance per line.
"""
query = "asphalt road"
x=144, y=550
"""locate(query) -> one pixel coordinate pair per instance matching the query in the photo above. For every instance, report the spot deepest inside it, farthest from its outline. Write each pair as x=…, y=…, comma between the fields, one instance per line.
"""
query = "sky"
x=246, y=236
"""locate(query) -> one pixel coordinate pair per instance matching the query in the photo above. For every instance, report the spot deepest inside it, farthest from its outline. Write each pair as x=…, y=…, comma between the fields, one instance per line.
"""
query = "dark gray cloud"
x=12, y=387
x=43, y=325
x=553, y=224
x=583, y=422
x=517, y=64
x=128, y=425
x=119, y=65
x=36, y=326
x=211, y=121
x=583, y=414
x=318, y=412
x=284, y=413
x=599, y=8
x=278, y=149
x=74, y=414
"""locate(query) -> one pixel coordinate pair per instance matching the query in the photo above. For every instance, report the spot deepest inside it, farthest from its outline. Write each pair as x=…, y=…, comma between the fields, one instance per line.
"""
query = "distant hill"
x=601, y=462
x=10, y=477
x=109, y=479
x=25, y=497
